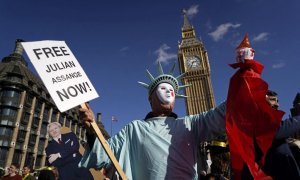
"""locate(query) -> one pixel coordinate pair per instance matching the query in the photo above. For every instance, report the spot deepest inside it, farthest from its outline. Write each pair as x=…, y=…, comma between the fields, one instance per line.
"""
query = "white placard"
x=61, y=73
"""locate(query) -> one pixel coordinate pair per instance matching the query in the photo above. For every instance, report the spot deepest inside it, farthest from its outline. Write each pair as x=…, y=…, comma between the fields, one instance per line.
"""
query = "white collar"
x=56, y=139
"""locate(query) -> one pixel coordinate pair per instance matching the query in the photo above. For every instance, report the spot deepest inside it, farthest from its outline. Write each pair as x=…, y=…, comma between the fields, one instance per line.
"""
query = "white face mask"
x=165, y=93
x=245, y=53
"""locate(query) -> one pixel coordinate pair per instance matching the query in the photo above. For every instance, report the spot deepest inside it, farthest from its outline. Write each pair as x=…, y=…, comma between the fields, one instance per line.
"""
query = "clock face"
x=193, y=62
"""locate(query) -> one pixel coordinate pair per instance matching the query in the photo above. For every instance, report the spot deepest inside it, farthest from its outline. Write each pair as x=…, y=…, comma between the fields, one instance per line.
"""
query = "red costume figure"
x=248, y=116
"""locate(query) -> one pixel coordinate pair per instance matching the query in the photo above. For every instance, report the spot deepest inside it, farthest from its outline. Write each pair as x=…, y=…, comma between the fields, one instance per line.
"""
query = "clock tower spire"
x=186, y=23
x=193, y=60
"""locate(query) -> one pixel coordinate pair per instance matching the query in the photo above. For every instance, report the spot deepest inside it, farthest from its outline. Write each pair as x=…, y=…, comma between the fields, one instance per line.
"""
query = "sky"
x=116, y=41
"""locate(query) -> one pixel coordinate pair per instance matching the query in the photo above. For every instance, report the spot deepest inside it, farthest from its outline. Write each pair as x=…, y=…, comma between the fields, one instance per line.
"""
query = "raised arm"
x=210, y=124
x=95, y=155
x=288, y=127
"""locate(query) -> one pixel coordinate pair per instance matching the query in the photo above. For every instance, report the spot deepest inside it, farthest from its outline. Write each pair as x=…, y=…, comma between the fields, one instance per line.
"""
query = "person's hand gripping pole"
x=89, y=120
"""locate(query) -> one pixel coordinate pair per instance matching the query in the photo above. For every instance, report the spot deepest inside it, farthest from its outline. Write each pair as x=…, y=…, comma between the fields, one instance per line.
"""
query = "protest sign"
x=61, y=73
x=66, y=82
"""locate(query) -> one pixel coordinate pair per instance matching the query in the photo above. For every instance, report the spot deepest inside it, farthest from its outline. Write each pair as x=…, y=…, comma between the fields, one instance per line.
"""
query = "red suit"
x=249, y=117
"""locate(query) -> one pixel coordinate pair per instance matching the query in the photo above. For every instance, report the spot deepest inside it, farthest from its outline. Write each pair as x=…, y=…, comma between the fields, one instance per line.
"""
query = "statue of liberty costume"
x=165, y=147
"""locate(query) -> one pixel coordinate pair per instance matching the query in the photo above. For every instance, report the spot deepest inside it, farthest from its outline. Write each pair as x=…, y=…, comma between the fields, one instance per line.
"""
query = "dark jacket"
x=280, y=163
x=67, y=165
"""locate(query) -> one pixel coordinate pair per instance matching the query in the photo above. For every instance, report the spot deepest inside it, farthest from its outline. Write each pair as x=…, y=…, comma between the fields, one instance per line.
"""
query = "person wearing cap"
x=63, y=152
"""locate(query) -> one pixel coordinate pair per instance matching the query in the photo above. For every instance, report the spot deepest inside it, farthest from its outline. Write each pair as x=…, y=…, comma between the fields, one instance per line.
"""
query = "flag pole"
x=106, y=146
x=111, y=126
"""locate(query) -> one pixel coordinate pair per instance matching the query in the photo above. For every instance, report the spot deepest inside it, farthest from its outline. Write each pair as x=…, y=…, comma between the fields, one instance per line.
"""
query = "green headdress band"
x=164, y=78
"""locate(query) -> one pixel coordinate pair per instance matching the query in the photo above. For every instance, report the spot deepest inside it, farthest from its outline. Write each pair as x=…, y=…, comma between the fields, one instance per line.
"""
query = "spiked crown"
x=164, y=78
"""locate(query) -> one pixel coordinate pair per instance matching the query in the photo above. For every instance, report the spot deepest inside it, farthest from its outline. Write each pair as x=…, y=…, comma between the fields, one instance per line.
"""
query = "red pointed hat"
x=245, y=43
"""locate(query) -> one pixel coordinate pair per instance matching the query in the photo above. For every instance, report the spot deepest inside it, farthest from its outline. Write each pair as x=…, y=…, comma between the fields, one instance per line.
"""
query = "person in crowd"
x=26, y=173
x=13, y=173
x=2, y=172
x=55, y=171
x=46, y=174
x=162, y=145
x=63, y=153
x=280, y=162
x=210, y=176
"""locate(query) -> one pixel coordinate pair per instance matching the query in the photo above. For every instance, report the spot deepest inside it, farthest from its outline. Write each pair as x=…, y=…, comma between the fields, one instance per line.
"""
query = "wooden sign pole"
x=106, y=147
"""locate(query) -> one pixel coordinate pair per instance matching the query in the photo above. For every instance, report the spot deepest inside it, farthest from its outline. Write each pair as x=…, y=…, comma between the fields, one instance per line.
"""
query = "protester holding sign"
x=161, y=146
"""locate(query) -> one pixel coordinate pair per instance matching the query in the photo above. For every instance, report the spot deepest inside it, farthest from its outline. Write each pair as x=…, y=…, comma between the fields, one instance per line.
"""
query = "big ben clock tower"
x=193, y=60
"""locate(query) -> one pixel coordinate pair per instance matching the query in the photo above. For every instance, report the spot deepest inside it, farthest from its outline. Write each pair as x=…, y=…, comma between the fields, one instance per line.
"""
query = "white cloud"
x=193, y=10
x=261, y=37
x=126, y=48
x=278, y=65
x=162, y=54
x=221, y=30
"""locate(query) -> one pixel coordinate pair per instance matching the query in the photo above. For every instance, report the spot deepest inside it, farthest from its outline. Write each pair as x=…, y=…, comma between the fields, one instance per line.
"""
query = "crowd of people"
x=14, y=173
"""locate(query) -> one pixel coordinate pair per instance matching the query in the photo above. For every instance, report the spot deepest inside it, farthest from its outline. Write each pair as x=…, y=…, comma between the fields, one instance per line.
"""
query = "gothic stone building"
x=25, y=110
